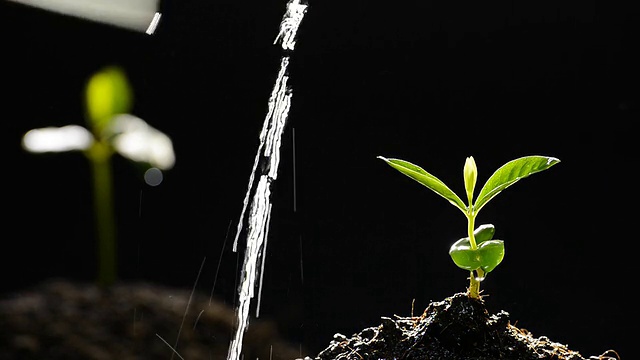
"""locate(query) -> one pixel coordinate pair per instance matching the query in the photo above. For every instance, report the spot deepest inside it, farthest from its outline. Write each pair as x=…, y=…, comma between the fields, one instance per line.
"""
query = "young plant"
x=108, y=101
x=478, y=253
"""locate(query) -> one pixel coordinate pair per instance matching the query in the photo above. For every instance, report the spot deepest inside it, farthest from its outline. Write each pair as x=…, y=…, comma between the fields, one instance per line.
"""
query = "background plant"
x=108, y=99
x=478, y=253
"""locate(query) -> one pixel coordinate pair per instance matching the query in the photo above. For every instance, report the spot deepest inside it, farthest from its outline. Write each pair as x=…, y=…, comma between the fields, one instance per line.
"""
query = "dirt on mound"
x=457, y=328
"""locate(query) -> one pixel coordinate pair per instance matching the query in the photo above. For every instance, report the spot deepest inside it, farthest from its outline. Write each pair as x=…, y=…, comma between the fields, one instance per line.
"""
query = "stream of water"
x=265, y=168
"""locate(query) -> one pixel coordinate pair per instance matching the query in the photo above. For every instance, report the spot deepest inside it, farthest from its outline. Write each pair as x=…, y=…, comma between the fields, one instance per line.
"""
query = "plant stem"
x=474, y=283
x=474, y=286
x=100, y=155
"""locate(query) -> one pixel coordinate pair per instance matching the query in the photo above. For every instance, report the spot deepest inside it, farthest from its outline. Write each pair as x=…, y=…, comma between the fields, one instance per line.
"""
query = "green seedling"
x=477, y=253
x=111, y=129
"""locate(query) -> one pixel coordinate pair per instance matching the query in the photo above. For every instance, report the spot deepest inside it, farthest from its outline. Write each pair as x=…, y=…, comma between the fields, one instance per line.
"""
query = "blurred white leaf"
x=57, y=139
x=134, y=139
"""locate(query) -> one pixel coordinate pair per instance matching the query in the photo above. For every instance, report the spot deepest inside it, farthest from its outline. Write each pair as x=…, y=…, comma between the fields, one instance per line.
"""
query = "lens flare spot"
x=153, y=177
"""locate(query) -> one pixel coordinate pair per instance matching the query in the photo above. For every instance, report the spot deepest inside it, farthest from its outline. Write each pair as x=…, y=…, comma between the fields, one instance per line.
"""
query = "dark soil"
x=65, y=320
x=70, y=321
x=457, y=328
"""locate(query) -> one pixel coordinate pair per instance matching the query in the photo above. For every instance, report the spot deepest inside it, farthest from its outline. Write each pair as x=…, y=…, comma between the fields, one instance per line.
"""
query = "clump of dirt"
x=457, y=328
x=64, y=320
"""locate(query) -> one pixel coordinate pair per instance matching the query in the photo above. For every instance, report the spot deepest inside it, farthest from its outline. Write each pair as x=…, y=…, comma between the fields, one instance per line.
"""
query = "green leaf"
x=510, y=173
x=418, y=174
x=461, y=252
x=463, y=256
x=484, y=232
x=487, y=256
x=107, y=94
x=491, y=253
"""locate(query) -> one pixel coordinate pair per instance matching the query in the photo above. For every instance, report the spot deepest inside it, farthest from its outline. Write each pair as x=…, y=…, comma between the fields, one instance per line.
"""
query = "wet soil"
x=457, y=328
x=59, y=320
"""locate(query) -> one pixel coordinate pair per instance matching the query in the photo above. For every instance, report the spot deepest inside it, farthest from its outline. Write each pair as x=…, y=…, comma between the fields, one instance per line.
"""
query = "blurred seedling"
x=477, y=253
x=108, y=100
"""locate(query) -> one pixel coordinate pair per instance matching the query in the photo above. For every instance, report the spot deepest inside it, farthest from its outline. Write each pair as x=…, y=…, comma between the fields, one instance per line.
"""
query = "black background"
x=351, y=239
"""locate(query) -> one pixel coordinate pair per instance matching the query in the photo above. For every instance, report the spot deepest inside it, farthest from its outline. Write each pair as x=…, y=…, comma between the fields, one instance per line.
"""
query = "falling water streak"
x=263, y=258
x=293, y=143
x=255, y=239
x=140, y=205
x=139, y=247
x=268, y=156
x=169, y=346
x=195, y=323
x=215, y=279
x=280, y=100
x=245, y=202
x=186, y=310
